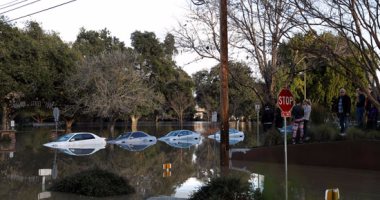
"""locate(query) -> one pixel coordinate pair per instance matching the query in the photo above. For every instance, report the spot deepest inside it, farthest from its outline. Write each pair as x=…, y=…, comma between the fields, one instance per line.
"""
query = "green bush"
x=96, y=183
x=226, y=188
x=272, y=137
x=373, y=135
x=323, y=132
x=354, y=133
x=318, y=114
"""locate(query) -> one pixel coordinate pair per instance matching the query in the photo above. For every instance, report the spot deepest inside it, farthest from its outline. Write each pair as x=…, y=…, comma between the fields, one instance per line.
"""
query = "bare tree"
x=109, y=86
x=199, y=33
x=357, y=22
x=179, y=102
x=255, y=31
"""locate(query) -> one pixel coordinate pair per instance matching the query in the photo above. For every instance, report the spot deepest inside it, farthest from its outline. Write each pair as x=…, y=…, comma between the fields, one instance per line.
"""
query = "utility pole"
x=223, y=75
x=224, y=126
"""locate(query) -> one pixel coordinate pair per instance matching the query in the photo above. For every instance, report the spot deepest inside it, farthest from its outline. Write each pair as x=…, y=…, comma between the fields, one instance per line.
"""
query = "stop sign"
x=285, y=100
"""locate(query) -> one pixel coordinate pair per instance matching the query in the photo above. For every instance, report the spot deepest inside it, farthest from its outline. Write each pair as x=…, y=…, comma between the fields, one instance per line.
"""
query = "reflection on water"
x=191, y=167
x=185, y=189
x=142, y=168
x=310, y=182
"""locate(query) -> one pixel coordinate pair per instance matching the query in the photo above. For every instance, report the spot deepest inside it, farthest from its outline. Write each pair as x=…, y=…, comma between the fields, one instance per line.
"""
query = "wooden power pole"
x=224, y=126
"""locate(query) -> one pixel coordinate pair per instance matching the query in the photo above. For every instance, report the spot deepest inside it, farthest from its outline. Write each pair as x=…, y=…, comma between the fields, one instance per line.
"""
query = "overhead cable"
x=30, y=14
x=4, y=4
x=20, y=6
x=13, y=4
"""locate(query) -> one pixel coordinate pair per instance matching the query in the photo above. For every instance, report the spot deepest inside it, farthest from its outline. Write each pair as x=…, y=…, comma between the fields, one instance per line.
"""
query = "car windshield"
x=138, y=134
x=172, y=133
x=233, y=131
x=185, y=133
x=64, y=138
x=124, y=135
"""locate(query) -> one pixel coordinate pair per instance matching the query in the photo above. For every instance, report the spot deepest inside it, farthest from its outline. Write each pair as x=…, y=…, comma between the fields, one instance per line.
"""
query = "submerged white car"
x=233, y=134
x=137, y=146
x=78, y=139
x=183, y=144
x=180, y=135
x=82, y=150
x=137, y=137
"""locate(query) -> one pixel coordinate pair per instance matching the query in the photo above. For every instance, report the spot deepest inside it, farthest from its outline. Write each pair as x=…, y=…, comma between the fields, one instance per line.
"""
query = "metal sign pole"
x=286, y=161
x=56, y=118
x=258, y=135
x=257, y=108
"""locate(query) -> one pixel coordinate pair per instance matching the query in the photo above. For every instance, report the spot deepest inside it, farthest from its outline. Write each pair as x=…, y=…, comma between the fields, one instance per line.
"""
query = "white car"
x=79, y=139
x=232, y=134
x=136, y=137
x=183, y=144
x=180, y=135
x=137, y=146
x=83, y=150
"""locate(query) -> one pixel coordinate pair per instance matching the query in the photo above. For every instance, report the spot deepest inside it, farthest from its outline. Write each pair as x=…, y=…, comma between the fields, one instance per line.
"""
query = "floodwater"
x=191, y=167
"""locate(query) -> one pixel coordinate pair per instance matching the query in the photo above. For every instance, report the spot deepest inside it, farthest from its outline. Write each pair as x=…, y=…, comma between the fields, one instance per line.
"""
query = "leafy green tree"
x=305, y=55
x=242, y=96
x=32, y=66
x=155, y=58
x=59, y=59
x=92, y=43
x=206, y=91
x=356, y=24
x=156, y=62
x=179, y=94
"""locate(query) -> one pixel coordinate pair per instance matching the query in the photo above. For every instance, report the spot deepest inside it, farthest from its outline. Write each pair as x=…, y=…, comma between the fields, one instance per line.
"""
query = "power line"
x=20, y=6
x=30, y=14
x=12, y=4
x=4, y=4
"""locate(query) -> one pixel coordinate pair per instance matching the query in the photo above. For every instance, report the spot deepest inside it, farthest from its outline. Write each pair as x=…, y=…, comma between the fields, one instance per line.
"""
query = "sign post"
x=257, y=108
x=56, y=118
x=285, y=102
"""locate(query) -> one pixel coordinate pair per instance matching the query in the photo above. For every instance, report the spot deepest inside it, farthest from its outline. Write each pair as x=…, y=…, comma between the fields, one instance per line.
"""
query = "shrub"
x=272, y=137
x=373, y=134
x=96, y=182
x=226, y=188
x=323, y=132
x=354, y=133
x=318, y=114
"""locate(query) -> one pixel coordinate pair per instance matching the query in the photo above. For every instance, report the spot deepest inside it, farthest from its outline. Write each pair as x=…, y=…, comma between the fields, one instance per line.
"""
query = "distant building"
x=200, y=113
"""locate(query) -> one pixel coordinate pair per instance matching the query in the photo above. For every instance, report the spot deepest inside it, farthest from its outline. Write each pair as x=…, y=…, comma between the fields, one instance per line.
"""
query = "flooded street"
x=191, y=167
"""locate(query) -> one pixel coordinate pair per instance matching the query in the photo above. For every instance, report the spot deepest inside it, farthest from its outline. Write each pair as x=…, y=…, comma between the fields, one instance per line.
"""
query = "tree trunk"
x=180, y=115
x=69, y=124
x=134, y=119
x=4, y=121
x=112, y=126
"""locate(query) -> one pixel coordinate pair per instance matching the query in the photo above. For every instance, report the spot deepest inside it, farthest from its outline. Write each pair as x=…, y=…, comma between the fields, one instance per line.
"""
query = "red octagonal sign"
x=285, y=100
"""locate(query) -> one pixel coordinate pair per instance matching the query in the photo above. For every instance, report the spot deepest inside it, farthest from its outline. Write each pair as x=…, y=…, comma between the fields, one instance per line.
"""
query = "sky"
x=120, y=17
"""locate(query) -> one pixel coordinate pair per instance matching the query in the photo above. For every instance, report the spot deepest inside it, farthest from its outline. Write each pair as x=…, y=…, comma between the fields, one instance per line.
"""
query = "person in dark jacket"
x=268, y=117
x=360, y=103
x=298, y=122
x=343, y=110
x=372, y=113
